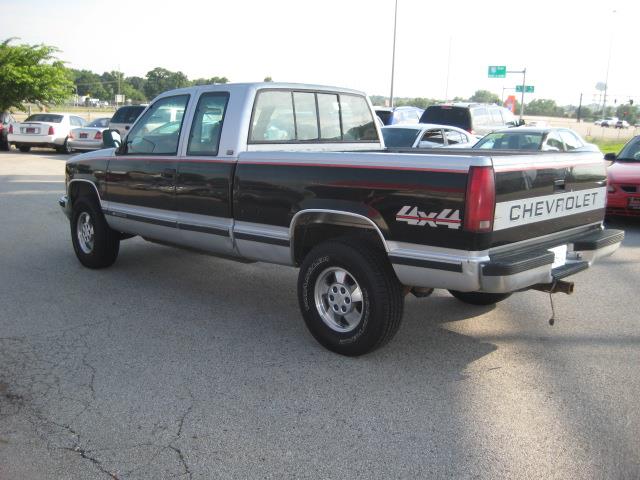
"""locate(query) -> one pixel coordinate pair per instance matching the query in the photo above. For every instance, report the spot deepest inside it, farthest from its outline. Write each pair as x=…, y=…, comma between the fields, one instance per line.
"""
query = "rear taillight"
x=98, y=136
x=51, y=131
x=480, y=201
x=11, y=129
x=71, y=135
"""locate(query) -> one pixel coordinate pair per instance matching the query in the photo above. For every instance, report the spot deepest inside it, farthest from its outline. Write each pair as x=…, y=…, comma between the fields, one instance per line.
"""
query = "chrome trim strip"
x=414, y=262
x=373, y=160
x=262, y=239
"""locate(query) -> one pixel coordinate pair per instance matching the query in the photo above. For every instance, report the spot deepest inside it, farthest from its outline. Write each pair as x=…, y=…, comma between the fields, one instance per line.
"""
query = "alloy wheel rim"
x=85, y=232
x=339, y=300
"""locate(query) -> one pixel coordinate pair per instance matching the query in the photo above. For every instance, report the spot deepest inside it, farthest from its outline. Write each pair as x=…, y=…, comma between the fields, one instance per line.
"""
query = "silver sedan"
x=426, y=135
x=88, y=137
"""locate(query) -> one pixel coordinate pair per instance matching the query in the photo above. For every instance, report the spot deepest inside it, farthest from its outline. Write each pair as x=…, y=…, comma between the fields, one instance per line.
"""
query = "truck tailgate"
x=538, y=195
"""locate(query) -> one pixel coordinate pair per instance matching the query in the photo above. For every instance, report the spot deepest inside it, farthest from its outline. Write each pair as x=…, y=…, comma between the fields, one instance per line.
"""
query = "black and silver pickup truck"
x=298, y=175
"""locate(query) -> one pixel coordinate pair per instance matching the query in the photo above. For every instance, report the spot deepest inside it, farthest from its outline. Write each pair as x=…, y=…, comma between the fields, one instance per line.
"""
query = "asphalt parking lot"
x=176, y=365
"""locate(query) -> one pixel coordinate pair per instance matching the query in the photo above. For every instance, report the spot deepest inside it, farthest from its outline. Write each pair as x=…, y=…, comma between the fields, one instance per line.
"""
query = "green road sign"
x=527, y=88
x=497, y=71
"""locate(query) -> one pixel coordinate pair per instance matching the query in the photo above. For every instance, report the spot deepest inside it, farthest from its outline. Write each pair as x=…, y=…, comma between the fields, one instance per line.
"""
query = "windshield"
x=44, y=117
x=511, y=141
x=631, y=151
x=99, y=123
x=400, y=137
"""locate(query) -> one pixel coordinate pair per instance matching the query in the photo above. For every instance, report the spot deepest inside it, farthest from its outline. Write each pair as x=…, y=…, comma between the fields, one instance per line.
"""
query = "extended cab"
x=297, y=175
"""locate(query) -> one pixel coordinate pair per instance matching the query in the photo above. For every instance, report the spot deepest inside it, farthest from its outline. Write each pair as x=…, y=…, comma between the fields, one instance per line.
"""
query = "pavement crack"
x=85, y=455
x=185, y=465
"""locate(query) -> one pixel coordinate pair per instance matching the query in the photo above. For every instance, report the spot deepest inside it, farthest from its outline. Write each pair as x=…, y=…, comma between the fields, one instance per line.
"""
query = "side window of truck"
x=273, y=117
x=329, y=113
x=204, y=138
x=357, y=122
x=158, y=131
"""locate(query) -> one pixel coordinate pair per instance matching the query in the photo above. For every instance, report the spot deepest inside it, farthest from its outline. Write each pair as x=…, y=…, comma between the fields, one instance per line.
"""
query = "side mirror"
x=610, y=157
x=111, y=139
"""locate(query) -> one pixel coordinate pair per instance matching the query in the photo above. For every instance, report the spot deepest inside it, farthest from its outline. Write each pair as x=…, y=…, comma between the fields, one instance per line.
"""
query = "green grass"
x=607, y=145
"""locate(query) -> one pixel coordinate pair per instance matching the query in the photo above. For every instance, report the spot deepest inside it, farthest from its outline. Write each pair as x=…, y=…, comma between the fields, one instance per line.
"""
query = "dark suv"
x=125, y=117
x=398, y=115
x=475, y=118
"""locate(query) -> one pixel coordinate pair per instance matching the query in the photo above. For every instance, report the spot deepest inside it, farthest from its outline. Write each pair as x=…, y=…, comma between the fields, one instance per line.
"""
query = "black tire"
x=103, y=250
x=65, y=148
x=4, y=146
x=24, y=149
x=381, y=305
x=479, y=298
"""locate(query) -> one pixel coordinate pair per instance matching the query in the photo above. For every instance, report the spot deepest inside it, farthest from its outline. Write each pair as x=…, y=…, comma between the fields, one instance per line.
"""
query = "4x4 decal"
x=413, y=216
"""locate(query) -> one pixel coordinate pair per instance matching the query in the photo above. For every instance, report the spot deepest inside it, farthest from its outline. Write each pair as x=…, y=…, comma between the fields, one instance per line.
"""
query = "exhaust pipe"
x=557, y=286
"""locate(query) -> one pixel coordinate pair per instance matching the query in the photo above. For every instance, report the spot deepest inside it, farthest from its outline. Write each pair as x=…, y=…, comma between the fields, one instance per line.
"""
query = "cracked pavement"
x=175, y=365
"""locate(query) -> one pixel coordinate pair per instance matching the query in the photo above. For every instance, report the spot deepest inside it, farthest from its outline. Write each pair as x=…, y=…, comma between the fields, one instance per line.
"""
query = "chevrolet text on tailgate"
x=297, y=175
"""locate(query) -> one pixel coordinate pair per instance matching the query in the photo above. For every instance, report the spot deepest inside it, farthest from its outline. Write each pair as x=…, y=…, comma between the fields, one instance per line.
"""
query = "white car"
x=426, y=135
x=89, y=137
x=49, y=130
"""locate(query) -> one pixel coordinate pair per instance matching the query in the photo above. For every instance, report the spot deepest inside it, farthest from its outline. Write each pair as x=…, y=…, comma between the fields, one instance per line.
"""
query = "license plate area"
x=634, y=203
x=560, y=256
x=32, y=130
x=83, y=135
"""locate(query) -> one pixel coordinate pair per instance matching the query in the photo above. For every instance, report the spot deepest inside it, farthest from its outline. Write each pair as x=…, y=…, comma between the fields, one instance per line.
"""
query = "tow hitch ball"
x=554, y=287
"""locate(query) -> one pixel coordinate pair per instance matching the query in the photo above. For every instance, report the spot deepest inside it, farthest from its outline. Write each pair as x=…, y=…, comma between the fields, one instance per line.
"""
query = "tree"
x=268, y=79
x=160, y=80
x=88, y=83
x=630, y=113
x=31, y=73
x=544, y=107
x=484, y=96
x=209, y=81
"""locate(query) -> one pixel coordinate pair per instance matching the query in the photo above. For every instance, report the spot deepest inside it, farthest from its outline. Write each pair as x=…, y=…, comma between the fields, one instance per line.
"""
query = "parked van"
x=475, y=118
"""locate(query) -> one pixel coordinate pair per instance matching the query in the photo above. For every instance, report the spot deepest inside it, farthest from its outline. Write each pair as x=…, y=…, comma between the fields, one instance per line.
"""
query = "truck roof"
x=252, y=87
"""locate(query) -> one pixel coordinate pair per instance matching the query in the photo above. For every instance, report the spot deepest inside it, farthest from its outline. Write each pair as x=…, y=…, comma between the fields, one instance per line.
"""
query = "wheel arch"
x=80, y=187
x=328, y=224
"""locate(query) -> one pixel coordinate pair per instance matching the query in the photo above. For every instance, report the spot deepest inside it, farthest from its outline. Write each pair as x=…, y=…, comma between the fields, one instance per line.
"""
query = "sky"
x=443, y=48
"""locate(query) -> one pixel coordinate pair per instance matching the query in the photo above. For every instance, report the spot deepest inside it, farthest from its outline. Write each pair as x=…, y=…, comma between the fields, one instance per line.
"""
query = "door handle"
x=169, y=172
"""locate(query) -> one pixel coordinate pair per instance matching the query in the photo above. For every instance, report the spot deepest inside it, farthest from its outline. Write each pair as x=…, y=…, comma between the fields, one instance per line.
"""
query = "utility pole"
x=524, y=77
x=578, y=114
x=524, y=81
x=393, y=56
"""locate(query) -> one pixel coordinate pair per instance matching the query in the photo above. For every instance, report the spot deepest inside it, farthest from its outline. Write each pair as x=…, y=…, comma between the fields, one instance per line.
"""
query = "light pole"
x=393, y=56
x=606, y=78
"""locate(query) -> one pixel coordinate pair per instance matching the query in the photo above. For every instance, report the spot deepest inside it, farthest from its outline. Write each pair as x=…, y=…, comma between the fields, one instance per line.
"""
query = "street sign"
x=497, y=71
x=527, y=88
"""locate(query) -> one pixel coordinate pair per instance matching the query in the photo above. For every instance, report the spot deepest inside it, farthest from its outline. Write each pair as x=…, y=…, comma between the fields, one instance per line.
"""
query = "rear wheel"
x=349, y=296
x=96, y=245
x=479, y=298
x=24, y=149
x=4, y=145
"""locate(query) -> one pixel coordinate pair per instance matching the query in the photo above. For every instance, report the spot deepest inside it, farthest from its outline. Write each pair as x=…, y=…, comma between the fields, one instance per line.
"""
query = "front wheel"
x=349, y=296
x=95, y=244
x=479, y=298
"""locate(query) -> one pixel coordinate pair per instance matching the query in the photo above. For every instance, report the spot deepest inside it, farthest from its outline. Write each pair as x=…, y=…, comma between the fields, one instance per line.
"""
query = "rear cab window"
x=289, y=116
x=447, y=115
